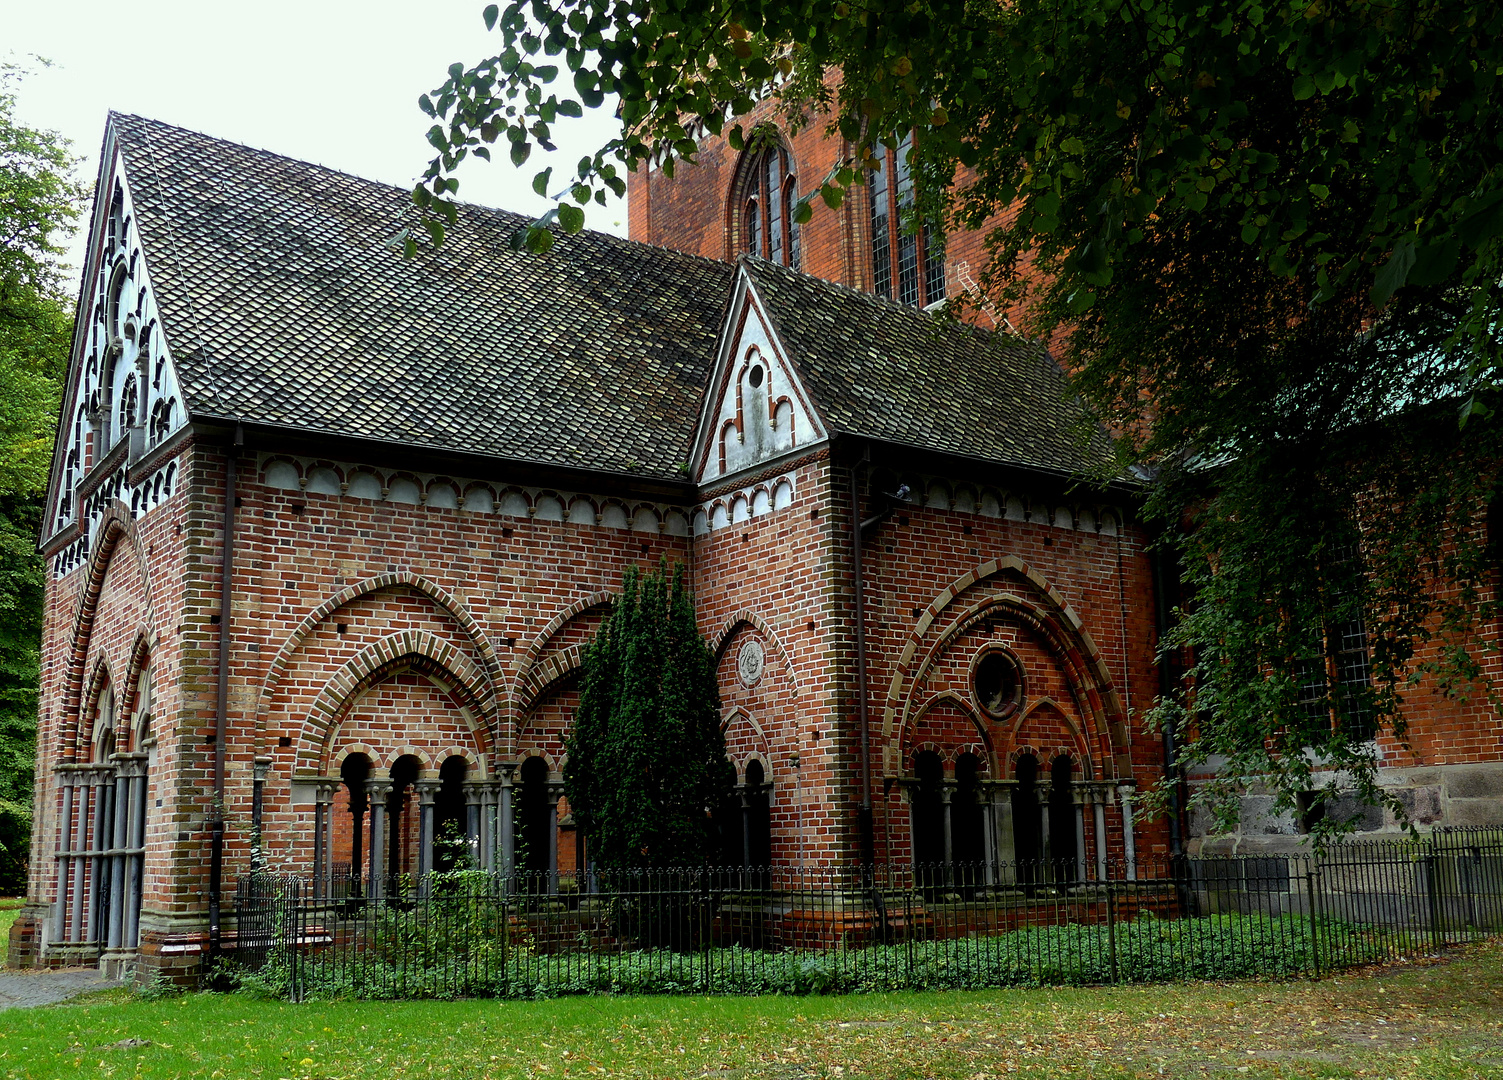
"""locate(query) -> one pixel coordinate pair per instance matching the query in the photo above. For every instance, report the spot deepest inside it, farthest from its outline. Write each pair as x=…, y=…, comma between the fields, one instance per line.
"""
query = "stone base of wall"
x=1434, y=796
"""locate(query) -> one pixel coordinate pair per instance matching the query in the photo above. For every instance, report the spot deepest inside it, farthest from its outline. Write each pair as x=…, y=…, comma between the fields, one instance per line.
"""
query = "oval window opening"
x=755, y=378
x=998, y=683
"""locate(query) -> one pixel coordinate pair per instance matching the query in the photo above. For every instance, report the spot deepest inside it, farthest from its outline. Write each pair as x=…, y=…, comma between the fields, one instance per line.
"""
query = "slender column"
x=88, y=835
x=1098, y=809
x=1080, y=851
x=65, y=871
x=261, y=770
x=945, y=793
x=1129, y=846
x=359, y=804
x=746, y=857
x=553, y=794
x=134, y=864
x=1046, y=859
x=1007, y=841
x=508, y=824
x=90, y=871
x=487, y=826
x=376, y=793
x=989, y=839
x=100, y=795
x=119, y=817
x=326, y=793
x=320, y=809
x=472, y=794
x=427, y=790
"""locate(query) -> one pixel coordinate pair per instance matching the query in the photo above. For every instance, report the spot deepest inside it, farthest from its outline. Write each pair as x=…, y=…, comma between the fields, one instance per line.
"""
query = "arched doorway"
x=536, y=835
x=403, y=824
x=967, y=823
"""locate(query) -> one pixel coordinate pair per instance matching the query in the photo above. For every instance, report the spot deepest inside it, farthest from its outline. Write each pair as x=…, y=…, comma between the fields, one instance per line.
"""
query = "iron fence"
x=825, y=929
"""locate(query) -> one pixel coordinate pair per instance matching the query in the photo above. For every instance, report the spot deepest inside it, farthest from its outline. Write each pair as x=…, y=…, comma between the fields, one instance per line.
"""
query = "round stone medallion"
x=749, y=662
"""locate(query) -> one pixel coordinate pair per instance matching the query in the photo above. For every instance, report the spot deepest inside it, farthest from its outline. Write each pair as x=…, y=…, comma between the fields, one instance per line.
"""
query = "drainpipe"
x=226, y=574
x=868, y=839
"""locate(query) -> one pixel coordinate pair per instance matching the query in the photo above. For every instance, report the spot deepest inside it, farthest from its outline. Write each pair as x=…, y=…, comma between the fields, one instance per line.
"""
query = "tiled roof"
x=885, y=371
x=284, y=304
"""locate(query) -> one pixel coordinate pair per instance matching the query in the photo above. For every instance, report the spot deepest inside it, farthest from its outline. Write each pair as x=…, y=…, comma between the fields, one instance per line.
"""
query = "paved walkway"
x=27, y=989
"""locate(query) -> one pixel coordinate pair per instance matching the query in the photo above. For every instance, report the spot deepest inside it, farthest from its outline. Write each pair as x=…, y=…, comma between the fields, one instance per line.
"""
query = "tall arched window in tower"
x=908, y=263
x=769, y=197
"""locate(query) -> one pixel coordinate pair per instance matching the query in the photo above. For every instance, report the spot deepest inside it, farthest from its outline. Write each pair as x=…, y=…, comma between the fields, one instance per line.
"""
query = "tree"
x=1269, y=233
x=646, y=755
x=39, y=201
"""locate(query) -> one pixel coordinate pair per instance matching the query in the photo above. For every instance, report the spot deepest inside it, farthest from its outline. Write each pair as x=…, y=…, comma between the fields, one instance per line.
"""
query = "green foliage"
x=39, y=201
x=646, y=756
x=459, y=954
x=1269, y=236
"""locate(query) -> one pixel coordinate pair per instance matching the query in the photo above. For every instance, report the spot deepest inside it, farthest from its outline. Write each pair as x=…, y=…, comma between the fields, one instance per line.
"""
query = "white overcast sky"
x=329, y=81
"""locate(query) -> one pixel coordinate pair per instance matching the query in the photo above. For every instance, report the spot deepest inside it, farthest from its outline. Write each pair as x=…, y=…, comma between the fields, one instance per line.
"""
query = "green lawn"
x=1440, y=1021
x=10, y=909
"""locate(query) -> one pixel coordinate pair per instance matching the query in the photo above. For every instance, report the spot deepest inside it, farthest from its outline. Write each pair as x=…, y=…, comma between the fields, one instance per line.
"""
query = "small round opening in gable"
x=997, y=682
x=755, y=377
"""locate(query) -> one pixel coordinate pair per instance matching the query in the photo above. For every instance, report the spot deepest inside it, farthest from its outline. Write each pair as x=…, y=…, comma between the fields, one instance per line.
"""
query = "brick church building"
x=327, y=529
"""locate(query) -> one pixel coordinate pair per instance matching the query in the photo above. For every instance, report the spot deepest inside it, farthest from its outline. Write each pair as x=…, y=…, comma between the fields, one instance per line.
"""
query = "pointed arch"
x=948, y=697
x=745, y=617
x=1046, y=612
x=115, y=527
x=534, y=677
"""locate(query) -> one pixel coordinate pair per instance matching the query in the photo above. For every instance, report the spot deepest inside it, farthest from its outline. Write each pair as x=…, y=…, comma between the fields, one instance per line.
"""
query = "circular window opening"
x=998, y=683
x=755, y=378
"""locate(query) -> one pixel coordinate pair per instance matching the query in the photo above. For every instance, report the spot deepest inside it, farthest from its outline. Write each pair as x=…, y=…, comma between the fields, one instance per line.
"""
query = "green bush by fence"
x=445, y=960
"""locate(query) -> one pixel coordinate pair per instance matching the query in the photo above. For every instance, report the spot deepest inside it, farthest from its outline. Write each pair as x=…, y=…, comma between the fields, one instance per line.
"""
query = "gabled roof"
x=284, y=305
x=881, y=370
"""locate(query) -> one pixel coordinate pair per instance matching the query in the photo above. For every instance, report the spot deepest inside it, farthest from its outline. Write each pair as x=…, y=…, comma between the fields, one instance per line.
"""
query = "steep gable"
x=123, y=398
x=756, y=407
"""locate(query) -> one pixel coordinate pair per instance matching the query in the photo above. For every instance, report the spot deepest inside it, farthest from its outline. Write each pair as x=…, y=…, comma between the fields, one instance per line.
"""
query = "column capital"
x=324, y=790
x=427, y=790
x=261, y=769
x=377, y=787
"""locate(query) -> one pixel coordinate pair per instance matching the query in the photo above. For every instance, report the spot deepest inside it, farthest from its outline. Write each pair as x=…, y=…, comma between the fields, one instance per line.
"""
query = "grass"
x=1439, y=1021
x=10, y=909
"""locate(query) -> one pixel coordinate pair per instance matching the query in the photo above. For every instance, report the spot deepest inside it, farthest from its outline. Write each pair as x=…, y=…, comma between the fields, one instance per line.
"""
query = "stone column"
x=119, y=812
x=946, y=793
x=1098, y=820
x=134, y=862
x=554, y=791
x=260, y=771
x=65, y=871
x=1007, y=841
x=488, y=826
x=989, y=838
x=96, y=834
x=1046, y=860
x=508, y=825
x=1129, y=846
x=377, y=791
x=1079, y=796
x=88, y=866
x=323, y=834
x=427, y=791
x=472, y=795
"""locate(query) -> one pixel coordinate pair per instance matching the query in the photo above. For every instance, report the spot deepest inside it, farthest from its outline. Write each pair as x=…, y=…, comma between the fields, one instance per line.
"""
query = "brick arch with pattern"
x=1041, y=609
x=745, y=617
x=416, y=651
x=491, y=665
x=114, y=533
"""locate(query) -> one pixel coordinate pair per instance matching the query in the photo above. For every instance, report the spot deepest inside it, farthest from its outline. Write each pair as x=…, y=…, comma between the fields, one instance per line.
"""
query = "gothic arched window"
x=908, y=263
x=769, y=196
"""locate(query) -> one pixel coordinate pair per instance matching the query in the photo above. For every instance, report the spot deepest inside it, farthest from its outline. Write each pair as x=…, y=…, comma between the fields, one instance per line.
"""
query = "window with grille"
x=908, y=263
x=771, y=194
x=1333, y=684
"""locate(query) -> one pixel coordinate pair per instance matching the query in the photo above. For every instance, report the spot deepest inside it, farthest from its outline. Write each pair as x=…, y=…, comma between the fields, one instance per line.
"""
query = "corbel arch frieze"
x=437, y=660
x=491, y=679
x=1048, y=614
x=745, y=617
x=115, y=527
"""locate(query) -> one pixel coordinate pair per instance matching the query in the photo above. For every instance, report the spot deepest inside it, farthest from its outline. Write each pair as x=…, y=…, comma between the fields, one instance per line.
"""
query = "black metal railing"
x=791, y=929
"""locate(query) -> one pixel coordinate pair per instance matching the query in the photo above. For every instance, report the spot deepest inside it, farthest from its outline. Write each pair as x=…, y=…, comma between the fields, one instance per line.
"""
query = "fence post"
x=1311, y=892
x=1432, y=891
x=1111, y=928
